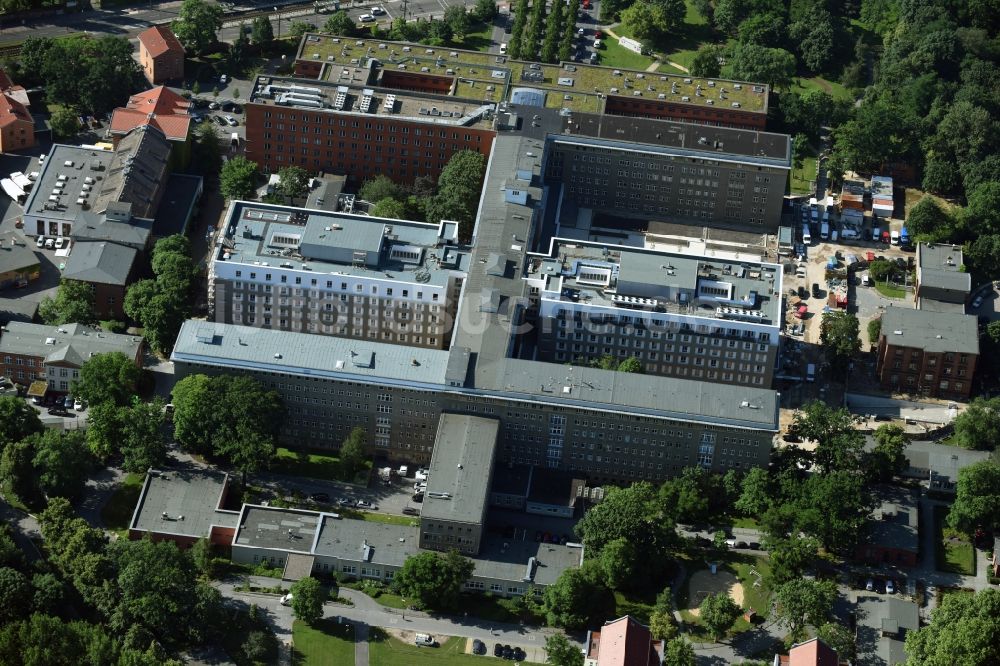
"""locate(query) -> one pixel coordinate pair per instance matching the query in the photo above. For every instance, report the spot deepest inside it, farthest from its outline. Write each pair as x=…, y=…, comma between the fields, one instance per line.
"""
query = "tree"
x=261, y=31
x=111, y=377
x=679, y=652
x=631, y=364
x=718, y=612
x=839, y=334
x=381, y=187
x=352, y=452
x=977, y=498
x=202, y=556
x=984, y=255
x=927, y=217
x=754, y=495
x=767, y=29
x=620, y=561
x=61, y=462
x=194, y=413
x=759, y=63
x=887, y=458
x=17, y=471
x=339, y=23
x=389, y=208
x=89, y=75
x=261, y=646
x=706, y=61
x=838, y=637
x=578, y=598
x=294, y=182
x=791, y=557
x=197, y=24
x=206, y=148
x=433, y=580
x=458, y=192
x=874, y=331
x=834, y=507
x=963, y=630
x=814, y=34
x=18, y=420
x=16, y=594
x=560, y=652
x=73, y=304
x=307, y=600
x=457, y=19
x=804, y=601
x=881, y=269
x=104, y=427
x=142, y=444
x=662, y=625
x=978, y=426
x=299, y=28
x=484, y=10
x=629, y=513
x=49, y=593
x=839, y=445
x=65, y=123
x=238, y=179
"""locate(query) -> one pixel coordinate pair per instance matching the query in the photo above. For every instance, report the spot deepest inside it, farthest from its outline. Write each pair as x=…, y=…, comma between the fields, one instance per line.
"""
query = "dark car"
x=803, y=292
x=519, y=654
x=478, y=647
x=344, y=501
x=508, y=652
x=237, y=108
x=58, y=411
x=538, y=537
x=815, y=290
x=418, y=497
x=227, y=107
x=220, y=120
x=410, y=511
x=497, y=650
x=319, y=497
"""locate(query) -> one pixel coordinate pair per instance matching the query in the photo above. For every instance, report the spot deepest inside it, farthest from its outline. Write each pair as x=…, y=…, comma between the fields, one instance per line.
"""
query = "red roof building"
x=623, y=642
x=163, y=109
x=17, y=127
x=161, y=55
x=810, y=653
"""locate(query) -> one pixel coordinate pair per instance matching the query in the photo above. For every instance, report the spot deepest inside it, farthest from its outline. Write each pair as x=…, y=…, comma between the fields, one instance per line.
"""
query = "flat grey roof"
x=874, y=613
x=102, y=263
x=942, y=267
x=894, y=522
x=327, y=243
x=15, y=253
x=347, y=540
x=70, y=343
x=302, y=354
x=250, y=348
x=934, y=332
x=508, y=559
x=91, y=226
x=941, y=458
x=458, y=479
x=183, y=502
x=177, y=204
x=274, y=528
x=17, y=309
x=683, y=139
x=84, y=161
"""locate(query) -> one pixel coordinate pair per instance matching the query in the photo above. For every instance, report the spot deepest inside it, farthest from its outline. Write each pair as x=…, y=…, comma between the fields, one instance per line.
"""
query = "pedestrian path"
x=360, y=644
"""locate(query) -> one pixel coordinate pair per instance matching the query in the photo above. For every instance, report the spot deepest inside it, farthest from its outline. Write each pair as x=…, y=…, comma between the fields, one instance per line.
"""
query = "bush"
x=372, y=588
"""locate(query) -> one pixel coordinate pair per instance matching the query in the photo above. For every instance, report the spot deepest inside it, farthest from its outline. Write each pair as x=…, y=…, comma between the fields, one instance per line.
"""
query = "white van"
x=597, y=43
x=424, y=640
x=503, y=48
x=806, y=236
x=894, y=237
x=811, y=372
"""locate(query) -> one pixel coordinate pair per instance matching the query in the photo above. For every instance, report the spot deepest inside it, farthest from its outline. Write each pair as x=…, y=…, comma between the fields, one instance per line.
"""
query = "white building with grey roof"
x=339, y=274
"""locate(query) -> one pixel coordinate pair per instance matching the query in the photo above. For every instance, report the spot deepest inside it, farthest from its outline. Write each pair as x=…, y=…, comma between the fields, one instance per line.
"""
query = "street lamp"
x=279, y=22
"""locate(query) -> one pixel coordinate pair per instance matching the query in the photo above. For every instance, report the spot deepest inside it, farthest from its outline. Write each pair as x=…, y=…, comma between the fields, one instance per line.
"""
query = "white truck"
x=12, y=190
x=21, y=180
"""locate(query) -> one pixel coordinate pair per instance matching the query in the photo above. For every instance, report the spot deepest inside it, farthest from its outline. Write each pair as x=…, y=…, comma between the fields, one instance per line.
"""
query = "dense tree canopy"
x=18, y=420
x=964, y=629
x=197, y=24
x=978, y=426
x=977, y=498
x=72, y=304
x=579, y=598
x=433, y=580
x=112, y=377
x=307, y=599
x=458, y=191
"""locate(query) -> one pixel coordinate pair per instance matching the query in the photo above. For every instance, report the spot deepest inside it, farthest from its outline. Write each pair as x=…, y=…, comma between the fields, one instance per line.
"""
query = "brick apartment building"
x=17, y=127
x=366, y=132
x=933, y=348
x=161, y=55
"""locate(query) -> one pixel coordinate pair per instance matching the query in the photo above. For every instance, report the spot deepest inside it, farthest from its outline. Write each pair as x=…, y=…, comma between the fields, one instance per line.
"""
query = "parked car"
x=366, y=18
x=62, y=243
x=377, y=11
x=232, y=121
x=344, y=501
x=40, y=242
x=364, y=504
x=424, y=640
x=219, y=120
x=519, y=654
x=478, y=647
x=815, y=290
x=418, y=497
x=977, y=301
x=67, y=402
x=498, y=650
x=224, y=78
x=320, y=497
x=79, y=405
x=228, y=106
x=286, y=600
x=890, y=586
x=508, y=652
x=214, y=106
x=50, y=243
x=410, y=511
x=58, y=411
x=870, y=585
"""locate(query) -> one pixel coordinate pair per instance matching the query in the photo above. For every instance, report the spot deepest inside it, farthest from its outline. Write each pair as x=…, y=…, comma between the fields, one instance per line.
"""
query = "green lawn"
x=117, y=513
x=614, y=55
x=758, y=598
x=480, y=38
x=803, y=177
x=955, y=553
x=385, y=650
x=314, y=465
x=636, y=605
x=890, y=290
x=326, y=644
x=832, y=88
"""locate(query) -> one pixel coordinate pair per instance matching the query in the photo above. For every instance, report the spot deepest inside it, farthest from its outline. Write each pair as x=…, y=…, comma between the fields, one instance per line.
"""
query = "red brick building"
x=400, y=135
x=623, y=642
x=161, y=55
x=17, y=127
x=162, y=108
